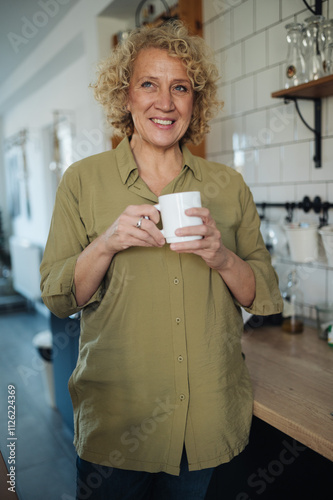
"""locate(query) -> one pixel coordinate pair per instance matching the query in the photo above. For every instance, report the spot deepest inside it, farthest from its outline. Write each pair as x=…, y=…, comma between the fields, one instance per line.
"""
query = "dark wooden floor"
x=45, y=455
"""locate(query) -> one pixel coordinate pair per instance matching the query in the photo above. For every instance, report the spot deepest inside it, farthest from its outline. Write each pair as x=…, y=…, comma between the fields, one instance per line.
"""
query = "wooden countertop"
x=292, y=377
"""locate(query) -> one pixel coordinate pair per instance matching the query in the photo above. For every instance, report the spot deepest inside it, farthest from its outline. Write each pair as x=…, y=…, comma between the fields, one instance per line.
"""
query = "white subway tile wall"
x=267, y=13
x=242, y=19
x=262, y=137
x=330, y=286
x=328, y=112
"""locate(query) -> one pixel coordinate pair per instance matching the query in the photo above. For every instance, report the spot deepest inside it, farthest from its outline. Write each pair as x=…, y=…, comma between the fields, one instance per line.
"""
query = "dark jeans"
x=96, y=482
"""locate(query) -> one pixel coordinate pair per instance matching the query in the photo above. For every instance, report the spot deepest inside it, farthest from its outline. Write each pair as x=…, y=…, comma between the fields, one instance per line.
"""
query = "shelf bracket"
x=318, y=7
x=317, y=126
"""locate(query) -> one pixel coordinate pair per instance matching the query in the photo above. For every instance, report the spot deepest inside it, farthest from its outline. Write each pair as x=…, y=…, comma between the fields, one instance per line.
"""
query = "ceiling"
x=122, y=9
x=25, y=23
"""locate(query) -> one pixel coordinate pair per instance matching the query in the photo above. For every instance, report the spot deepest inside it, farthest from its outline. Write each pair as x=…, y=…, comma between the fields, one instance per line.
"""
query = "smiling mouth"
x=162, y=122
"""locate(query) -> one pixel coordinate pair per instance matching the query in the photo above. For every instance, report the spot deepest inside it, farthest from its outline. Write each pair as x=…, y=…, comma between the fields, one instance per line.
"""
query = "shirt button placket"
x=179, y=333
x=179, y=346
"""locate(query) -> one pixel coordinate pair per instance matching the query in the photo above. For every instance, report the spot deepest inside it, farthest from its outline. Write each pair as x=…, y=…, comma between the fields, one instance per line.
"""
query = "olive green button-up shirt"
x=160, y=360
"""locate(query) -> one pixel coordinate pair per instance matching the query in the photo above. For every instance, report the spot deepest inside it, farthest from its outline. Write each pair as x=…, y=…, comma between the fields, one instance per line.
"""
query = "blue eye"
x=181, y=88
x=147, y=84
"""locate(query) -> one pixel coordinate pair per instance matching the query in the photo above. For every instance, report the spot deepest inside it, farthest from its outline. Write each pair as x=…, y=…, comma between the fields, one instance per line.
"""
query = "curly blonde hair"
x=113, y=78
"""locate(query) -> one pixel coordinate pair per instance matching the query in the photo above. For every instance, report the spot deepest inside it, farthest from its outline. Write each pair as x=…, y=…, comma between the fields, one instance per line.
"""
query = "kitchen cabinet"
x=290, y=451
x=292, y=377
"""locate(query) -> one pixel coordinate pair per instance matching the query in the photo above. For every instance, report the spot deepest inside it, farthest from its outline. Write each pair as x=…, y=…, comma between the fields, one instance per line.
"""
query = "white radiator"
x=25, y=259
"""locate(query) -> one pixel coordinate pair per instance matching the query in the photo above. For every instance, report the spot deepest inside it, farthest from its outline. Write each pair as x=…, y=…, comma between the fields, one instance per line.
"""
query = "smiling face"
x=160, y=99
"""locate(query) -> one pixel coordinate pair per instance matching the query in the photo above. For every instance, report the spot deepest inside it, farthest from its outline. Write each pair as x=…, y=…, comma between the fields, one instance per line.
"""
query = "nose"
x=164, y=100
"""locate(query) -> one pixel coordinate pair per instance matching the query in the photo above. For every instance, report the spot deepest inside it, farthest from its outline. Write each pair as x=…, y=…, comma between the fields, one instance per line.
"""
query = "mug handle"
x=159, y=209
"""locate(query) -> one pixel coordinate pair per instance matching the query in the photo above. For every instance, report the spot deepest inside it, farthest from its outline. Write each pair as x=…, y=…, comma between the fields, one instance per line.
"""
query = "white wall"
x=262, y=137
x=56, y=76
x=3, y=197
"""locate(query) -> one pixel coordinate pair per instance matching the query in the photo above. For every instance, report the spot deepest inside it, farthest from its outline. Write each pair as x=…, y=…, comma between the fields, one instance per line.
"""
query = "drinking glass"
x=295, y=64
x=315, y=57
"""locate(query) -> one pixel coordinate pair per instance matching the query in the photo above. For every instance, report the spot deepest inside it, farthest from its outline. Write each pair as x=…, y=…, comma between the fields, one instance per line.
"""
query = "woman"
x=161, y=393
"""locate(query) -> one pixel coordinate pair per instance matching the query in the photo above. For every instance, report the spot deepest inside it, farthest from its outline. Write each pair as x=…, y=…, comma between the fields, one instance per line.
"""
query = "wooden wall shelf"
x=316, y=89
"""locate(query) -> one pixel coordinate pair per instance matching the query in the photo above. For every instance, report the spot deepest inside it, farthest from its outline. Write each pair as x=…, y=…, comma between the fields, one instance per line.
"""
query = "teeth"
x=162, y=122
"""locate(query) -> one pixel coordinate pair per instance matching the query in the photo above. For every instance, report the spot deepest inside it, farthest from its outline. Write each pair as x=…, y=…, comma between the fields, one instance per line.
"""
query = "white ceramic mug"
x=172, y=208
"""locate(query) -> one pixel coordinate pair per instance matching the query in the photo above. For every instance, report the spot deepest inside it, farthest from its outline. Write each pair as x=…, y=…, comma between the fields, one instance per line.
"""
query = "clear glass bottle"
x=295, y=64
x=329, y=59
x=305, y=47
x=315, y=58
x=327, y=41
x=293, y=317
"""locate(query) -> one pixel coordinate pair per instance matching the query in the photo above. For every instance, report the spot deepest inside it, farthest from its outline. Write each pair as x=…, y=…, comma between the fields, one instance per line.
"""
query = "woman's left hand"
x=210, y=247
x=236, y=273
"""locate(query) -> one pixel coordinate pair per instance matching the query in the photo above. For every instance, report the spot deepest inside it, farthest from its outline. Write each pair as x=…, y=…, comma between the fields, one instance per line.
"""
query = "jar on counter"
x=293, y=317
x=324, y=312
x=330, y=336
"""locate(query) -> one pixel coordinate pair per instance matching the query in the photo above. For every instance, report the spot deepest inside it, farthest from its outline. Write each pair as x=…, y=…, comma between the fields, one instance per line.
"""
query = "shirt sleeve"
x=251, y=248
x=67, y=238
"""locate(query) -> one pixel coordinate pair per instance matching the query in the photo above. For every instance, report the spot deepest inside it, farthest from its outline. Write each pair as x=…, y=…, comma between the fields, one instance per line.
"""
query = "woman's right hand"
x=95, y=259
x=124, y=233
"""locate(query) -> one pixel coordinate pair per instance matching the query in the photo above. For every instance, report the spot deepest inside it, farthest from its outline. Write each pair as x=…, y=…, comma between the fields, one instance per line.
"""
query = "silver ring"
x=138, y=224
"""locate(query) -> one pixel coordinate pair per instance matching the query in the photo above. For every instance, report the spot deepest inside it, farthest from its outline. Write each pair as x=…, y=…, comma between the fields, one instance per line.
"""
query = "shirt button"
x=182, y=397
x=176, y=281
x=178, y=320
x=180, y=359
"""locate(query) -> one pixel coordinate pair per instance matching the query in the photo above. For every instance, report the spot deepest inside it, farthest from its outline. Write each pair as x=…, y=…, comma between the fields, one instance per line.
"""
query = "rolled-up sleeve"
x=67, y=238
x=252, y=249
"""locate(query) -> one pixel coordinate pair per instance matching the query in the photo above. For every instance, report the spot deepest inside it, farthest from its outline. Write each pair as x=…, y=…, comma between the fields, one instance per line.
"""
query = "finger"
x=149, y=227
x=139, y=222
x=186, y=246
x=128, y=234
x=199, y=230
x=138, y=237
x=148, y=231
x=194, y=246
x=142, y=211
x=201, y=212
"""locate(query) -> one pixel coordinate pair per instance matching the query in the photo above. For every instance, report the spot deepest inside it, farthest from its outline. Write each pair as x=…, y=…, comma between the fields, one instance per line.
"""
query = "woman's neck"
x=157, y=166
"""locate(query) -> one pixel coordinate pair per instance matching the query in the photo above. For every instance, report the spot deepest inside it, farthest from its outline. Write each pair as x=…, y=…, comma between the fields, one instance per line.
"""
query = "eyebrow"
x=176, y=80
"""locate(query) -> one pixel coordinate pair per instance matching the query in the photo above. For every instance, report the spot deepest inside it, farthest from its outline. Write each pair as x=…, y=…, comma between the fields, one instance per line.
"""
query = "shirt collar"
x=127, y=165
x=191, y=162
x=125, y=161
